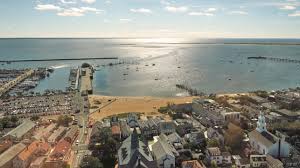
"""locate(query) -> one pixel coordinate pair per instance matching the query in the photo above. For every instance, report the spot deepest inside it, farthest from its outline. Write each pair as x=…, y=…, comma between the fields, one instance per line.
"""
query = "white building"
x=265, y=142
x=164, y=153
x=214, y=154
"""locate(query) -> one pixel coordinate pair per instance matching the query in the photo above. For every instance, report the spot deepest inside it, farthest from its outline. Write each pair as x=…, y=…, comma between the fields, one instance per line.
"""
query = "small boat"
x=153, y=64
x=179, y=67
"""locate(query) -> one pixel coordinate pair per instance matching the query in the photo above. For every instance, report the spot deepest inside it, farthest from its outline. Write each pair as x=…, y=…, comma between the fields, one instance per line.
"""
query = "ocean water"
x=209, y=65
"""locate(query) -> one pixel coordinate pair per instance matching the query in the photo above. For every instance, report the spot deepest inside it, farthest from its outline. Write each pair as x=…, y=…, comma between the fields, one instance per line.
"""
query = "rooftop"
x=11, y=153
x=22, y=129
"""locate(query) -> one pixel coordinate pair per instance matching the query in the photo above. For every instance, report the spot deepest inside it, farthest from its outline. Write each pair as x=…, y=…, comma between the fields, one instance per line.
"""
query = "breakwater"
x=276, y=59
x=57, y=59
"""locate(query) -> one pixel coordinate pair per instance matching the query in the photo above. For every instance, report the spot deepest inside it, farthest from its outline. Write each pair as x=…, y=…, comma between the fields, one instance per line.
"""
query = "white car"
x=77, y=142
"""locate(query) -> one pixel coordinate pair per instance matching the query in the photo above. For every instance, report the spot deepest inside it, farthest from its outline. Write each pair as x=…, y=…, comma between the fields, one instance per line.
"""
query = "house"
x=59, y=156
x=265, y=142
x=7, y=157
x=30, y=153
x=133, y=153
x=71, y=134
x=183, y=126
x=116, y=131
x=226, y=158
x=192, y=164
x=166, y=128
x=214, y=154
x=21, y=131
x=125, y=130
x=196, y=138
x=132, y=120
x=163, y=153
x=258, y=161
x=291, y=162
x=231, y=116
x=215, y=133
x=273, y=163
x=241, y=162
x=149, y=128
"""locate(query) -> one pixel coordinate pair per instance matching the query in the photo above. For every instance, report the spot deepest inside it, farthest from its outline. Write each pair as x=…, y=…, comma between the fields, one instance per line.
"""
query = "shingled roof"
x=265, y=137
x=134, y=152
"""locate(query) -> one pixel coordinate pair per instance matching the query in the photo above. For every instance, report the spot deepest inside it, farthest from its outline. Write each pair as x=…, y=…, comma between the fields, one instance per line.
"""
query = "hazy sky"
x=150, y=18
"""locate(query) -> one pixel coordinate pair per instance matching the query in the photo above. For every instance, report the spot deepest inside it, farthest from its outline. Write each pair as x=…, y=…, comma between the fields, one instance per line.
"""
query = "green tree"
x=213, y=143
x=213, y=164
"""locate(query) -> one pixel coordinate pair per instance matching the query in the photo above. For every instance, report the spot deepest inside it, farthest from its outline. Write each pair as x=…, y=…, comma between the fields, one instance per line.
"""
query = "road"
x=81, y=149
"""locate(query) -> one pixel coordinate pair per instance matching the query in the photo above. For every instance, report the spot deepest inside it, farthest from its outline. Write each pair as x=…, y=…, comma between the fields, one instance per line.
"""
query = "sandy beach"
x=105, y=106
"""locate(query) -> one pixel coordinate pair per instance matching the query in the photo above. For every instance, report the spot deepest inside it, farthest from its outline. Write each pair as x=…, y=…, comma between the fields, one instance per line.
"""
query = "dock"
x=86, y=86
x=57, y=59
x=9, y=85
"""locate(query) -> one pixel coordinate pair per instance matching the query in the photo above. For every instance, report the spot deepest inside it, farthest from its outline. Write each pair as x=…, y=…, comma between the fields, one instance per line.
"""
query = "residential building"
x=116, y=131
x=133, y=153
x=163, y=153
x=166, y=128
x=132, y=120
x=7, y=157
x=231, y=116
x=215, y=133
x=226, y=158
x=125, y=130
x=150, y=127
x=265, y=142
x=214, y=154
x=192, y=164
x=258, y=161
x=241, y=162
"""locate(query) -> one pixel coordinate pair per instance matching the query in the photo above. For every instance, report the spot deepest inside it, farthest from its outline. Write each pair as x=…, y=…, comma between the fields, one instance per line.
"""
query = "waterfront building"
x=265, y=142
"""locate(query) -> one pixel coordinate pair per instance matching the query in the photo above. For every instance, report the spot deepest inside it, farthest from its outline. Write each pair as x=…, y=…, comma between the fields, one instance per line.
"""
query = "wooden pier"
x=287, y=60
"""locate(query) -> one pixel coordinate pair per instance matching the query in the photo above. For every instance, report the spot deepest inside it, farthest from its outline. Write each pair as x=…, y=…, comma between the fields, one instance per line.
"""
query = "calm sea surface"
x=208, y=65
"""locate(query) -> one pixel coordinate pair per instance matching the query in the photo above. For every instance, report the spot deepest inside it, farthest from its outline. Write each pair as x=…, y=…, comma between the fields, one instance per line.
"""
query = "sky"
x=150, y=18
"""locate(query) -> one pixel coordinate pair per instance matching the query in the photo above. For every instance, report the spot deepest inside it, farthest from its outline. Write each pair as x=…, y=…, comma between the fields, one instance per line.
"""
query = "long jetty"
x=58, y=59
x=276, y=59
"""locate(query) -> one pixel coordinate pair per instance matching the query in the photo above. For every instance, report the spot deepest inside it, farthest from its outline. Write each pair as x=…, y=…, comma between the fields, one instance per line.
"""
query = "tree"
x=213, y=143
x=34, y=118
x=234, y=137
x=91, y=162
x=213, y=164
x=64, y=120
